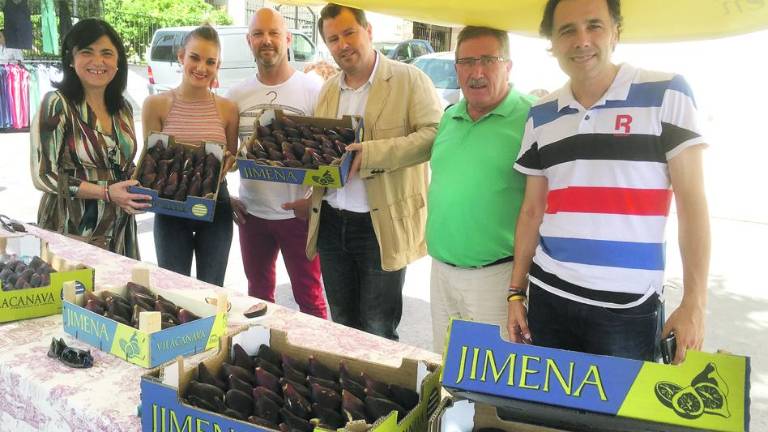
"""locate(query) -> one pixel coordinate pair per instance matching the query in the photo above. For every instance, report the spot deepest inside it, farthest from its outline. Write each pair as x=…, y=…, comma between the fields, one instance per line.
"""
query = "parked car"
x=164, y=70
x=440, y=68
x=404, y=51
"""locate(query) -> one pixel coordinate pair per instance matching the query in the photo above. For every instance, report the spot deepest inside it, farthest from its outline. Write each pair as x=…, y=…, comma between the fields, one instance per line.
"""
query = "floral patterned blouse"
x=67, y=148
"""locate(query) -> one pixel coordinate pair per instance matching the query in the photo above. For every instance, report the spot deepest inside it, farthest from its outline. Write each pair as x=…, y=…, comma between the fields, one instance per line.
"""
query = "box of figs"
x=183, y=179
x=571, y=390
x=143, y=325
x=259, y=381
x=301, y=150
x=32, y=277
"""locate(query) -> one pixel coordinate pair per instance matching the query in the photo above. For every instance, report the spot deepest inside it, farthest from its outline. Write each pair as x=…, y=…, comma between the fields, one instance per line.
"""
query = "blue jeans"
x=360, y=293
x=558, y=322
x=176, y=239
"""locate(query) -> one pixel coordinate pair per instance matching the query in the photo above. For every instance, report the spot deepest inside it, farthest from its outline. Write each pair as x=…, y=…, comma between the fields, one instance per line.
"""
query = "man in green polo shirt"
x=475, y=194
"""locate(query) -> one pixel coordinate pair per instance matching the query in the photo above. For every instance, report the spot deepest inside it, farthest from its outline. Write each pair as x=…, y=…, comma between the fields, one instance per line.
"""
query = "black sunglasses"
x=11, y=225
x=71, y=357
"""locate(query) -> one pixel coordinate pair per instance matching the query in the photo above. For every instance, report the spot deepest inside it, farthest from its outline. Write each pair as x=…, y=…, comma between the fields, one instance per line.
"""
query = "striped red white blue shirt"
x=602, y=239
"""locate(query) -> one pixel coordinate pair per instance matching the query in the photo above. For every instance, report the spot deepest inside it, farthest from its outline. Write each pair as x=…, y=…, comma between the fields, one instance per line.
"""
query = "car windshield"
x=385, y=47
x=440, y=71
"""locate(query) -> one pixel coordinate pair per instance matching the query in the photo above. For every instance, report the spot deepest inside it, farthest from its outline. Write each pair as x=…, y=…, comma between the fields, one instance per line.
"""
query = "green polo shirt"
x=475, y=193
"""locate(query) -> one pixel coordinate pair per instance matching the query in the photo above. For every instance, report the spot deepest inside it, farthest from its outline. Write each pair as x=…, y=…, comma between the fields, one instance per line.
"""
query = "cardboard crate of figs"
x=299, y=150
x=260, y=382
x=32, y=277
x=183, y=179
x=143, y=325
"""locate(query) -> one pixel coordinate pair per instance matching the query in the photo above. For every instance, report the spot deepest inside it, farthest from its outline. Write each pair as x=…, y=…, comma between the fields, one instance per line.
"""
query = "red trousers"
x=260, y=241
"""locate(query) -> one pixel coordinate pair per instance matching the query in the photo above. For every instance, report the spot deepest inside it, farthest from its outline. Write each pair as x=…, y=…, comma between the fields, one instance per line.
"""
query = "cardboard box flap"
x=708, y=391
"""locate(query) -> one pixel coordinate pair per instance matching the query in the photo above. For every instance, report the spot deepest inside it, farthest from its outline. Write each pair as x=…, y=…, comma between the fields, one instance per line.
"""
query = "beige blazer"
x=400, y=123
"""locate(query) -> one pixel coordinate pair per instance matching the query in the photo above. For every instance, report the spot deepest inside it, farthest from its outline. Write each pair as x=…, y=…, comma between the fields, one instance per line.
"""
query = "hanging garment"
x=65, y=18
x=5, y=99
x=18, y=24
x=34, y=91
x=49, y=28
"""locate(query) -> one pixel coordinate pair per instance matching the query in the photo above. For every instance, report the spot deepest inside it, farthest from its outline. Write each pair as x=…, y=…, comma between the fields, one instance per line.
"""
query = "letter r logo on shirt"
x=623, y=121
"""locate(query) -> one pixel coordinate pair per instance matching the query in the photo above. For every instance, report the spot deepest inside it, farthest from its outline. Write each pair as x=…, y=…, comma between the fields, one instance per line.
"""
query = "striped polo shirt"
x=602, y=237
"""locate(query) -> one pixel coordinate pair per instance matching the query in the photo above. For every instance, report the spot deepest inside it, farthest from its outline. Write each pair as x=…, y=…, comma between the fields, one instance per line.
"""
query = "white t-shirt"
x=297, y=95
x=10, y=54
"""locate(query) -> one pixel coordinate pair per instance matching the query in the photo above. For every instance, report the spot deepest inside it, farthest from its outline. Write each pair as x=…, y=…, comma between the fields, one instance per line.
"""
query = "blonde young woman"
x=192, y=113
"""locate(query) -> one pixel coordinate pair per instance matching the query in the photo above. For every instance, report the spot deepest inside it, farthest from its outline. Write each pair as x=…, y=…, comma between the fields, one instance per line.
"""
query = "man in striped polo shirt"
x=602, y=156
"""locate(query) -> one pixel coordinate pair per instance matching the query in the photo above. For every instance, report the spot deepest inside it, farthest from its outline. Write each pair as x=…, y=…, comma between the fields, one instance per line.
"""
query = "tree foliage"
x=137, y=20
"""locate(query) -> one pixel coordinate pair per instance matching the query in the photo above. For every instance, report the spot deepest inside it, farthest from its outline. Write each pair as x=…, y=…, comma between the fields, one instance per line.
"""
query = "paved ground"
x=737, y=316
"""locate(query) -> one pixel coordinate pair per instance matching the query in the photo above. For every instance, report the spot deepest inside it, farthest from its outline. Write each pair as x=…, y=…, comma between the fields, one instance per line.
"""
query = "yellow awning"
x=644, y=20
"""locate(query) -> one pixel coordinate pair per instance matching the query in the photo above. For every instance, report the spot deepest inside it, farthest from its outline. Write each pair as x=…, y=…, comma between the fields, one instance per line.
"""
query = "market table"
x=41, y=394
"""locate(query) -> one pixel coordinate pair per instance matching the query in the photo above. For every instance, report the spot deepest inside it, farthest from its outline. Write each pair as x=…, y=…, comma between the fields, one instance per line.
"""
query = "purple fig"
x=268, y=354
x=186, y=316
x=268, y=380
x=239, y=384
x=325, y=397
x=404, y=397
x=294, y=422
x=269, y=367
x=263, y=392
x=316, y=368
x=328, y=418
x=244, y=374
x=241, y=358
x=267, y=409
x=239, y=401
x=295, y=402
x=205, y=376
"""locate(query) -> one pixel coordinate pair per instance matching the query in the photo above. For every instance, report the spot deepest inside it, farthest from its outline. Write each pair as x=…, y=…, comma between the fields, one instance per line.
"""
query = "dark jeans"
x=633, y=333
x=360, y=294
x=176, y=239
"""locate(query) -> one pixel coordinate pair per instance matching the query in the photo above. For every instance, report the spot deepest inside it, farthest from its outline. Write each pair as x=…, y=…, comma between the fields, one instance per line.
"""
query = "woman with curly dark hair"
x=83, y=144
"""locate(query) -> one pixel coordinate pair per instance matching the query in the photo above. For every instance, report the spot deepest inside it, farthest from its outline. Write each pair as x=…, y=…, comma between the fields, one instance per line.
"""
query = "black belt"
x=498, y=261
x=345, y=214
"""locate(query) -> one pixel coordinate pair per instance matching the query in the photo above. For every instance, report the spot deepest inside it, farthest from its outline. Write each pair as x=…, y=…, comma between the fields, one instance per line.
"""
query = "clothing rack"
x=23, y=83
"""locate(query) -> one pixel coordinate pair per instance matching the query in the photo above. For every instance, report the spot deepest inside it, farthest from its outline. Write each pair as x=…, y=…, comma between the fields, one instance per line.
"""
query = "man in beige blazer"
x=369, y=230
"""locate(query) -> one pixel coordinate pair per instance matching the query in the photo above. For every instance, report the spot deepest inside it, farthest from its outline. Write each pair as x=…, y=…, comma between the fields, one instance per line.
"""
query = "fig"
x=244, y=374
x=267, y=409
x=378, y=407
x=229, y=412
x=207, y=186
x=292, y=374
x=239, y=384
x=268, y=354
x=134, y=287
x=333, y=385
x=239, y=401
x=295, y=402
x=165, y=305
x=269, y=367
x=241, y=358
x=205, y=376
x=328, y=417
x=688, y=404
x=268, y=380
x=263, y=392
x=316, y=368
x=353, y=387
x=256, y=310
x=294, y=386
x=325, y=396
x=404, y=397
x=117, y=318
x=207, y=392
x=186, y=316
x=294, y=422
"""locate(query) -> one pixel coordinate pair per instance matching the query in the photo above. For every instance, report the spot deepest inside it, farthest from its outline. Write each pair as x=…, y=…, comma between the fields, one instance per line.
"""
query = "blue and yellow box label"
x=708, y=391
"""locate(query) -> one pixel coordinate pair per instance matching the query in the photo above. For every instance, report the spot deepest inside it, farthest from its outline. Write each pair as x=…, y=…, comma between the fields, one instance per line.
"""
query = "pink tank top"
x=195, y=121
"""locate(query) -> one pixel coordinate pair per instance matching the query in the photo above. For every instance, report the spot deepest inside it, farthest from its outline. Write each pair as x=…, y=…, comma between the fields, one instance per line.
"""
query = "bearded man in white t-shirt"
x=265, y=228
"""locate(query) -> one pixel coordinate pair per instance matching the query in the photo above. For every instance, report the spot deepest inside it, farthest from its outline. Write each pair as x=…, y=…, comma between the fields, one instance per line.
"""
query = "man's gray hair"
x=471, y=32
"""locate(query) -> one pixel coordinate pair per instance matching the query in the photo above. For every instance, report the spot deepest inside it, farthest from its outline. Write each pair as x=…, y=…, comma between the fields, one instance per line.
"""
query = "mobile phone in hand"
x=668, y=348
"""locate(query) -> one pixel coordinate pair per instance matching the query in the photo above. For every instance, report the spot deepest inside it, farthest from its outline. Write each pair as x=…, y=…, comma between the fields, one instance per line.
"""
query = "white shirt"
x=297, y=95
x=10, y=54
x=352, y=196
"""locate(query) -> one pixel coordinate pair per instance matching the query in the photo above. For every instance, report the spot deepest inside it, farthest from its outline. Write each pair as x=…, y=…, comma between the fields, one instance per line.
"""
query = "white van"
x=164, y=71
